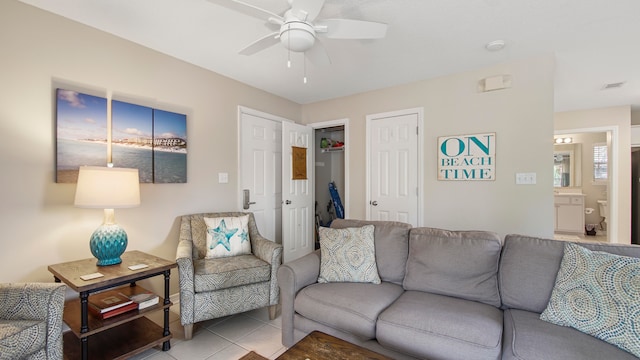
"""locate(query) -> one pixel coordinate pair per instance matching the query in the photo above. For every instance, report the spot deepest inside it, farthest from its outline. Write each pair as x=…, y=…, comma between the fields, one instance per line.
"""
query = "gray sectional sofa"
x=443, y=295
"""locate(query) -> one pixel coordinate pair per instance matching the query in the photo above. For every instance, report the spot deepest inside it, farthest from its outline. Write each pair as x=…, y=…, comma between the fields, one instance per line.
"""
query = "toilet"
x=603, y=207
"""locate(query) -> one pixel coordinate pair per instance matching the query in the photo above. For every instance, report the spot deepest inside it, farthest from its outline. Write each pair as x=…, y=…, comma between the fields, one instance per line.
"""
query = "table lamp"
x=107, y=188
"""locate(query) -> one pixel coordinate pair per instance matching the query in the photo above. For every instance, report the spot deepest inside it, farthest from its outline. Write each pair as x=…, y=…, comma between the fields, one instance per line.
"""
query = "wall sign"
x=299, y=163
x=467, y=157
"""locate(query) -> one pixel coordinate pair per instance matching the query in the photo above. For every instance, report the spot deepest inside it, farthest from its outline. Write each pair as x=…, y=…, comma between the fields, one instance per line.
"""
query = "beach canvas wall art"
x=150, y=140
x=81, y=126
x=169, y=147
x=132, y=138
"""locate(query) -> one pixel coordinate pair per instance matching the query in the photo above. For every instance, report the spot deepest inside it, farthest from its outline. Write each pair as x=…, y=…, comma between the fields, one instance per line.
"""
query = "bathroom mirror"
x=567, y=169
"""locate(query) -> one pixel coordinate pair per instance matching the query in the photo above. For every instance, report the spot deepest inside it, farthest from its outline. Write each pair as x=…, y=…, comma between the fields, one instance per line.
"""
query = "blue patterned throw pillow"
x=348, y=255
x=599, y=294
x=227, y=236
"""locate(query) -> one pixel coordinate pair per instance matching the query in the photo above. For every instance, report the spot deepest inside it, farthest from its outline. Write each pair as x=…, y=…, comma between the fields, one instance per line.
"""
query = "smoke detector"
x=495, y=45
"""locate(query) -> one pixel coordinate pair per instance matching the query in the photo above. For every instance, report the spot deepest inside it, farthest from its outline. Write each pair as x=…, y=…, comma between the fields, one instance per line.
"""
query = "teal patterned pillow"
x=599, y=294
x=348, y=255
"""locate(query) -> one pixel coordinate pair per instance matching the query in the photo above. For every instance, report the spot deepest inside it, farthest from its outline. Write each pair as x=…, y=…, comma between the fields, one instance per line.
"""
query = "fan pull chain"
x=289, y=47
x=304, y=63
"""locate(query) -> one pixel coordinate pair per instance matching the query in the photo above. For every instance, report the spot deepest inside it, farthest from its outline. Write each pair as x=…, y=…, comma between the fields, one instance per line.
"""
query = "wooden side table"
x=121, y=336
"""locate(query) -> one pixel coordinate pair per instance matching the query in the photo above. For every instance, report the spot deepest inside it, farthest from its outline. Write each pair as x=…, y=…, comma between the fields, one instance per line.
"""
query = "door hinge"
x=417, y=132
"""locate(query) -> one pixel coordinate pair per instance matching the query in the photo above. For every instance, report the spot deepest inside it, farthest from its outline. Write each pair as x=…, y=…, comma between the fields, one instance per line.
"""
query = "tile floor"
x=227, y=338
x=581, y=238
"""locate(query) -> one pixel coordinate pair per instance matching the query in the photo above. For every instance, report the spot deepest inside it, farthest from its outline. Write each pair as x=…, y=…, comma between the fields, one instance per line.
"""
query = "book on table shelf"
x=108, y=301
x=144, y=298
x=116, y=311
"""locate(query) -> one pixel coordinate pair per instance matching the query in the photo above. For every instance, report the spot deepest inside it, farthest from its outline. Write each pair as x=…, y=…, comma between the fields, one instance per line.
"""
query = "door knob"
x=374, y=203
x=288, y=202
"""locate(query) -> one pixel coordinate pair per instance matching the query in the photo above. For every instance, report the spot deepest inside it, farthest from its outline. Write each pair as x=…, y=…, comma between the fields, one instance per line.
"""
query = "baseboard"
x=175, y=298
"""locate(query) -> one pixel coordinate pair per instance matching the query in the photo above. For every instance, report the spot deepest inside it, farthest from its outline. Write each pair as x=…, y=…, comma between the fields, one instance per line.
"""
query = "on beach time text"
x=467, y=157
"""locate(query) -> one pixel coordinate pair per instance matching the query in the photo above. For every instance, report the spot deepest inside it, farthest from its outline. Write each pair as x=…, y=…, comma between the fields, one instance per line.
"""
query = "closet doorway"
x=331, y=159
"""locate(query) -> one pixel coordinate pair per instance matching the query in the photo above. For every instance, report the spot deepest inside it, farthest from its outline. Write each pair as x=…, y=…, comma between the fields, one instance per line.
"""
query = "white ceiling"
x=595, y=42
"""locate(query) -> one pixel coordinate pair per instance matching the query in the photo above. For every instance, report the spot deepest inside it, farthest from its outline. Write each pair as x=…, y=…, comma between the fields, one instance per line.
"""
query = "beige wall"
x=599, y=120
x=39, y=224
x=635, y=116
x=522, y=118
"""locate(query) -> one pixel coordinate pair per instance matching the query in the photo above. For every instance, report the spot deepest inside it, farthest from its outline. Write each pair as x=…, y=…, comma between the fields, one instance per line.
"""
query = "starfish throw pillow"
x=227, y=236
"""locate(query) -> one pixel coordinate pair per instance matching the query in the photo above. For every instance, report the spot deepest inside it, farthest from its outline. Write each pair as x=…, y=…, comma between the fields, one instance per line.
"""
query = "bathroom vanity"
x=569, y=213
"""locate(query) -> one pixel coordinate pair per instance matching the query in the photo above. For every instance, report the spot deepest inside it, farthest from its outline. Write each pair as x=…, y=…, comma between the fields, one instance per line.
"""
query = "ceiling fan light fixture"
x=301, y=32
x=297, y=36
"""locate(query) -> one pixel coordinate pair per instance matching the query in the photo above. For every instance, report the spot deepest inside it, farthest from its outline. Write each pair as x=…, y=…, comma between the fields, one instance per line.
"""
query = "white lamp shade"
x=107, y=188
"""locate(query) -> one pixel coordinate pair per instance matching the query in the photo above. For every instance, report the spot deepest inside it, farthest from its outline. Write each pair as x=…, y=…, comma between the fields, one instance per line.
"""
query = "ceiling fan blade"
x=248, y=9
x=318, y=55
x=306, y=10
x=260, y=44
x=351, y=29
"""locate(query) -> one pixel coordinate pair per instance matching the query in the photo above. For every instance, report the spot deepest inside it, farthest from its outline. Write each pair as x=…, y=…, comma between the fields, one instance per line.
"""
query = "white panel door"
x=261, y=168
x=297, y=195
x=393, y=175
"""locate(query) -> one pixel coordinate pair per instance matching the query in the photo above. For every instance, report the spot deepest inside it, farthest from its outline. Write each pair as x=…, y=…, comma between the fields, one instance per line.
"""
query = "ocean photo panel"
x=169, y=147
x=132, y=138
x=81, y=133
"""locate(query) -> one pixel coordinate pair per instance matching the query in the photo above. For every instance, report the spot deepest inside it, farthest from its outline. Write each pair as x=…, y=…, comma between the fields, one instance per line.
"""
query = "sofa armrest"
x=266, y=250
x=186, y=281
x=36, y=301
x=302, y=272
x=270, y=252
x=29, y=301
x=292, y=277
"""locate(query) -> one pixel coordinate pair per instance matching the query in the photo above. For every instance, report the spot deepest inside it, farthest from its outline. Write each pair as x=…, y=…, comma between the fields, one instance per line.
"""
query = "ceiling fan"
x=299, y=32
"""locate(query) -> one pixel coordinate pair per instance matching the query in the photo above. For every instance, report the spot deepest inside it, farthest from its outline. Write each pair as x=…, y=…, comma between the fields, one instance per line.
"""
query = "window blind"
x=600, y=160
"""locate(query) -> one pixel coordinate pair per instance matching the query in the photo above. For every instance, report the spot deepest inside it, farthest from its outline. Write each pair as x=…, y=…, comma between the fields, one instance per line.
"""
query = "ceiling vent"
x=613, y=85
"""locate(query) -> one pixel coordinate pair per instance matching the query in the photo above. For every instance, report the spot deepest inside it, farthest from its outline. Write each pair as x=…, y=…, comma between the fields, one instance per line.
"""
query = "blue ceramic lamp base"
x=107, y=243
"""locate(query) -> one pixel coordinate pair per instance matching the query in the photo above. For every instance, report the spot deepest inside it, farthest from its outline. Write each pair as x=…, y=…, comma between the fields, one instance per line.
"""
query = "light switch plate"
x=223, y=178
x=525, y=178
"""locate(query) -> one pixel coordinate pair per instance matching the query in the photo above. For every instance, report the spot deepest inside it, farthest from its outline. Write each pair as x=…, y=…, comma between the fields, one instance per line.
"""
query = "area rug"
x=253, y=356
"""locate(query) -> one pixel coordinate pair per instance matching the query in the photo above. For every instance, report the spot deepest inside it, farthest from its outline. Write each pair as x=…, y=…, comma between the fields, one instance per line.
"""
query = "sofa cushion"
x=227, y=236
x=526, y=337
x=529, y=265
x=349, y=307
x=19, y=338
x=528, y=269
x=348, y=255
x=598, y=293
x=226, y=272
x=461, y=264
x=392, y=246
x=431, y=326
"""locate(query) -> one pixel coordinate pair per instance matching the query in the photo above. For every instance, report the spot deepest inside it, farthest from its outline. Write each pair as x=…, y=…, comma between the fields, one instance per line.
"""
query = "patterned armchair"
x=31, y=320
x=212, y=288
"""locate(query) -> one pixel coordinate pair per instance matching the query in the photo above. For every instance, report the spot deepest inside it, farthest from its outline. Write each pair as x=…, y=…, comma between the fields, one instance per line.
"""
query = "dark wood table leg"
x=84, y=323
x=166, y=346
